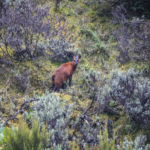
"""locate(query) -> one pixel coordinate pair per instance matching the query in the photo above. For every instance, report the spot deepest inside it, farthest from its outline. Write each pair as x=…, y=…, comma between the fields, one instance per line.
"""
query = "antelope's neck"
x=73, y=66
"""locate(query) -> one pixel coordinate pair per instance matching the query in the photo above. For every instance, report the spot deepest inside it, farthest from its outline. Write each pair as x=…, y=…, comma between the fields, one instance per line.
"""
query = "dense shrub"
x=57, y=3
x=86, y=131
x=133, y=37
x=24, y=138
x=49, y=110
x=138, y=144
x=1, y=133
x=29, y=31
x=132, y=91
x=98, y=139
x=101, y=7
x=104, y=142
x=2, y=107
x=21, y=80
x=94, y=82
x=92, y=45
x=137, y=8
x=90, y=80
x=8, y=2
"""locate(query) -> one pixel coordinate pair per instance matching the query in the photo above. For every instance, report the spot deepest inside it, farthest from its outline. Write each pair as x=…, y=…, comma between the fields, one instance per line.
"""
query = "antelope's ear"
x=79, y=56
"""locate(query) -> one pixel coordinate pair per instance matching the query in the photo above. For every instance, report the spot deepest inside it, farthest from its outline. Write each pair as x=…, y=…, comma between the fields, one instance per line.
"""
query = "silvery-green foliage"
x=90, y=133
x=3, y=3
x=49, y=110
x=25, y=115
x=0, y=100
x=12, y=2
x=1, y=133
x=138, y=144
x=103, y=96
x=2, y=107
x=132, y=91
x=86, y=131
x=90, y=78
x=21, y=79
x=28, y=117
x=62, y=51
x=95, y=82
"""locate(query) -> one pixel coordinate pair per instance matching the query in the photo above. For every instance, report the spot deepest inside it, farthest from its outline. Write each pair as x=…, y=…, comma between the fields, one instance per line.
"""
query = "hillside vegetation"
x=107, y=107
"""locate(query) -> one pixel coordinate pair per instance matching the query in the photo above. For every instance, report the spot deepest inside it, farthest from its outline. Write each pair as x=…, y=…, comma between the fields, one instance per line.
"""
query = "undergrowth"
x=89, y=22
x=24, y=138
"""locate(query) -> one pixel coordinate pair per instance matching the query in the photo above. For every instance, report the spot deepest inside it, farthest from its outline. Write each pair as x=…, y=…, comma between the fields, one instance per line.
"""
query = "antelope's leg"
x=55, y=88
x=53, y=85
x=70, y=79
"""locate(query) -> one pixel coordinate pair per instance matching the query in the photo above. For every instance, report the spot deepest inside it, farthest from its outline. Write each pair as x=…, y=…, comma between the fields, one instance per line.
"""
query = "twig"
x=110, y=110
x=13, y=117
x=90, y=104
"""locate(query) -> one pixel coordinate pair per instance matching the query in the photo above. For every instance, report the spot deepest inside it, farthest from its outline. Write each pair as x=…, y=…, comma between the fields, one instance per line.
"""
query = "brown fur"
x=63, y=73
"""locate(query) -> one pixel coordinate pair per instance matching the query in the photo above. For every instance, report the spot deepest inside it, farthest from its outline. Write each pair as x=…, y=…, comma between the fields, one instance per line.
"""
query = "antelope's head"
x=76, y=60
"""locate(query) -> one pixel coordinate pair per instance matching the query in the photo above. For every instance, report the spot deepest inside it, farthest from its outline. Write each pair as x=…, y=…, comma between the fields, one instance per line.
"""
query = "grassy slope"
x=79, y=16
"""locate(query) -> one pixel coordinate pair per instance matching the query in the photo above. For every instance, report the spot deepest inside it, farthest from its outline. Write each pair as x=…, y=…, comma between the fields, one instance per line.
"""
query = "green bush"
x=1, y=134
x=24, y=138
x=104, y=142
x=109, y=144
x=89, y=34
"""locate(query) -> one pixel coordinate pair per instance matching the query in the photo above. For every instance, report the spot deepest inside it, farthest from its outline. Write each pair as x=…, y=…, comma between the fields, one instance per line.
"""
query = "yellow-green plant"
x=26, y=139
x=109, y=144
x=104, y=142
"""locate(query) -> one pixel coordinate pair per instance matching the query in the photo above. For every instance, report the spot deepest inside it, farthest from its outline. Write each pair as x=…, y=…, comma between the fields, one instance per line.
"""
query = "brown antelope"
x=63, y=73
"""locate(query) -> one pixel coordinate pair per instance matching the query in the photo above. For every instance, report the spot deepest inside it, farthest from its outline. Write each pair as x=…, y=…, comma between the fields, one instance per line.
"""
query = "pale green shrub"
x=50, y=110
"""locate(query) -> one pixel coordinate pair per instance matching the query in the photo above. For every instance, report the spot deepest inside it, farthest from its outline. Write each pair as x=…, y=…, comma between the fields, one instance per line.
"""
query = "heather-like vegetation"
x=107, y=106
